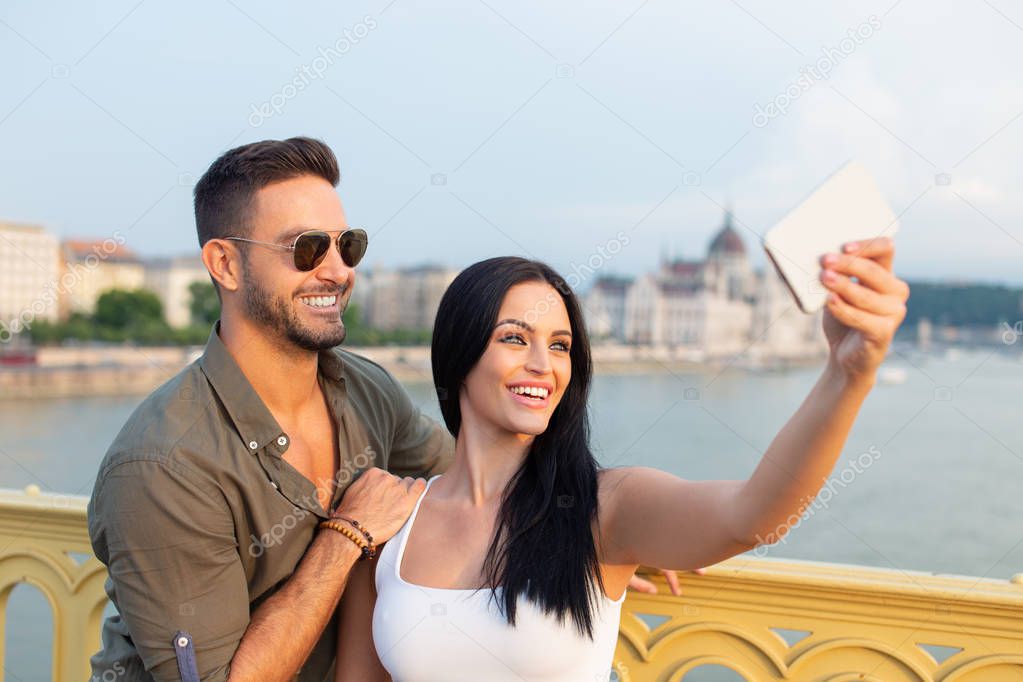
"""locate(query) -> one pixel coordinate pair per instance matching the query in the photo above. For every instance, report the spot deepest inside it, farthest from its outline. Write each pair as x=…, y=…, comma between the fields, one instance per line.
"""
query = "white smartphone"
x=846, y=207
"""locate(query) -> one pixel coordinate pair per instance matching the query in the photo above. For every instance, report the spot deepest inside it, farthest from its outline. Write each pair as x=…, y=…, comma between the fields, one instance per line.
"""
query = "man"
x=207, y=505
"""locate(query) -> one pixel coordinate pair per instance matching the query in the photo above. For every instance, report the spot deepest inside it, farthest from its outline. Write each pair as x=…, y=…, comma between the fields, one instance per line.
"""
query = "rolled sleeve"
x=421, y=447
x=169, y=543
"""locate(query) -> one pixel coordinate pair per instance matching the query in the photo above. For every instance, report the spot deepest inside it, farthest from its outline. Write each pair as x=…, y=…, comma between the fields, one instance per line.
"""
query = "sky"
x=472, y=129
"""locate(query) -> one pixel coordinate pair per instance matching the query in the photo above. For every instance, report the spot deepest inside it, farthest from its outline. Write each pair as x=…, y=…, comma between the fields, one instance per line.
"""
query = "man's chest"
x=313, y=450
x=314, y=453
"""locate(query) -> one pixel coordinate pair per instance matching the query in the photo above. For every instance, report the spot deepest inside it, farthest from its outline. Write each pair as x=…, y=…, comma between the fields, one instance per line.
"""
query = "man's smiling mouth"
x=319, y=301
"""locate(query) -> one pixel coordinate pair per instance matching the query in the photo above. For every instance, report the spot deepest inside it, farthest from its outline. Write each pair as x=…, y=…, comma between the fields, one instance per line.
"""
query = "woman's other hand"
x=645, y=586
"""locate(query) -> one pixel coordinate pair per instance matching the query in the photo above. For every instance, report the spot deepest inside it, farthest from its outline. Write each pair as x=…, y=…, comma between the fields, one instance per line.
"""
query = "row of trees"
x=133, y=316
x=358, y=334
x=136, y=316
x=963, y=305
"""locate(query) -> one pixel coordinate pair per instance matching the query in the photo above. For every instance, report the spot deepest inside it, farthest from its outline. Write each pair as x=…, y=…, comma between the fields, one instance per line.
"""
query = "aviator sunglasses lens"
x=353, y=245
x=310, y=248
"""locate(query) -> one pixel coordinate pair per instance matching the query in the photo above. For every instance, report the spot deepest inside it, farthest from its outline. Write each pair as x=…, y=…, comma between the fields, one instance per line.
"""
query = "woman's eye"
x=512, y=338
x=560, y=345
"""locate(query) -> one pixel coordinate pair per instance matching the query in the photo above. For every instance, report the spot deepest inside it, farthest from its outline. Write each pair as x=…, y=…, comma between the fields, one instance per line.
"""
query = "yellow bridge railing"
x=764, y=619
x=40, y=536
x=769, y=619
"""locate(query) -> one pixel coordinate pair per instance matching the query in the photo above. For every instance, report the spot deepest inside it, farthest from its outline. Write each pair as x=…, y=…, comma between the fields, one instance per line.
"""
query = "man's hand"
x=647, y=587
x=380, y=502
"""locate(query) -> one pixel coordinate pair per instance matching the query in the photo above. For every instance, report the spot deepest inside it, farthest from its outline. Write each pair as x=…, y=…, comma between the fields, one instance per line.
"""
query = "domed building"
x=701, y=305
x=729, y=270
x=718, y=307
x=727, y=242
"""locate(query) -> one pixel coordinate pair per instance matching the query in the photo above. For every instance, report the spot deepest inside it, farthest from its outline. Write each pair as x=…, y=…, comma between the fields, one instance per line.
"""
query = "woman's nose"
x=539, y=362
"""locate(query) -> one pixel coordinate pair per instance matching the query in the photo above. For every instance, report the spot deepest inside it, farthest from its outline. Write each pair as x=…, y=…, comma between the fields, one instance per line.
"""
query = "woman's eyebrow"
x=517, y=323
x=529, y=328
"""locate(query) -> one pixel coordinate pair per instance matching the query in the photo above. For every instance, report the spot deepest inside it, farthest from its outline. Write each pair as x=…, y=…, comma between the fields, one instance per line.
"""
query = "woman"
x=513, y=564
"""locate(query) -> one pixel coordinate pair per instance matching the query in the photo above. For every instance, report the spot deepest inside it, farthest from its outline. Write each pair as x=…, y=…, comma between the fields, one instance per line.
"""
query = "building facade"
x=92, y=267
x=405, y=298
x=719, y=307
x=29, y=277
x=171, y=279
x=604, y=307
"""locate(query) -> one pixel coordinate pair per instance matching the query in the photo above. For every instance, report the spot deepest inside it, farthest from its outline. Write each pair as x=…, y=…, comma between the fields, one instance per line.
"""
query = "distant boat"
x=892, y=375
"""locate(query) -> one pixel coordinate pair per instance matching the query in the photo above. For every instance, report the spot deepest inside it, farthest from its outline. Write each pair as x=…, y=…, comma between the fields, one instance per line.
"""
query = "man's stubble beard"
x=274, y=313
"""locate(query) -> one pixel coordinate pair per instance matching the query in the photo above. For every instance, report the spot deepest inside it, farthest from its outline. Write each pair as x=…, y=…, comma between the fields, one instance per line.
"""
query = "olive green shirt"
x=199, y=519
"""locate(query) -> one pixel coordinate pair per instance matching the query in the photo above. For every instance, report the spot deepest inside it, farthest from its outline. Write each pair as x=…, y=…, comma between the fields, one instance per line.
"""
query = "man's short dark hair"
x=224, y=194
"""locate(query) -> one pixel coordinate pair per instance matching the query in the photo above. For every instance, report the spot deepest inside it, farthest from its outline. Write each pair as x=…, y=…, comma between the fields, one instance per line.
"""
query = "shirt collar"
x=251, y=417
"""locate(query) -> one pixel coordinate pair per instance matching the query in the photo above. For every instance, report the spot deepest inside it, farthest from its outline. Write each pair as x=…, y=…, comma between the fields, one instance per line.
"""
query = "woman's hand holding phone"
x=860, y=317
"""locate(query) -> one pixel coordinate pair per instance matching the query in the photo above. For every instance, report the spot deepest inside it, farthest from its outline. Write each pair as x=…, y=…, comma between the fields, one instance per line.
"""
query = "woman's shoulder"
x=609, y=487
x=614, y=482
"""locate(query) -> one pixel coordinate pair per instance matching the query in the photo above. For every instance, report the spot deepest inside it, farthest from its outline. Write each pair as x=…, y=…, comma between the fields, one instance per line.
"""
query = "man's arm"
x=172, y=555
x=168, y=540
x=285, y=628
x=419, y=446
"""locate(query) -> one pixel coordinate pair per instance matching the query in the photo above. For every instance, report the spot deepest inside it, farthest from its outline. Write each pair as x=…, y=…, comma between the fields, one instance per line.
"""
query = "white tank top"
x=432, y=634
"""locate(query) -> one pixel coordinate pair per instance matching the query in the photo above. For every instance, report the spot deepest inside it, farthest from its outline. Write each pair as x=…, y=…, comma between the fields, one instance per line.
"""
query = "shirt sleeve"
x=169, y=544
x=421, y=447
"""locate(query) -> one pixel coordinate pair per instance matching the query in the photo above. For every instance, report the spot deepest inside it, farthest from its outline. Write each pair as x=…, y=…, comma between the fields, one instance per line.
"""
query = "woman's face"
x=525, y=369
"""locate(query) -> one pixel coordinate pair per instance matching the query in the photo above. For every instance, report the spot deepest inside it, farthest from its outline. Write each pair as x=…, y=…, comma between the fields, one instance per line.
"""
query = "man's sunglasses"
x=310, y=248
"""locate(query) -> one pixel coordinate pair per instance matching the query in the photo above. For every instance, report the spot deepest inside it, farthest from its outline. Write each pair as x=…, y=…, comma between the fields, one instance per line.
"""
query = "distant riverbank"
x=127, y=370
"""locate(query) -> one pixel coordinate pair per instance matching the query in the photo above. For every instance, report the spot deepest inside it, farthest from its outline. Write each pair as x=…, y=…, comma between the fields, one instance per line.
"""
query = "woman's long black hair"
x=543, y=543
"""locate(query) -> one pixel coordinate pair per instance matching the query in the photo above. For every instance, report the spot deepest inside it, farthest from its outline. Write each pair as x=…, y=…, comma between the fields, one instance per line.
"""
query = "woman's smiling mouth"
x=530, y=393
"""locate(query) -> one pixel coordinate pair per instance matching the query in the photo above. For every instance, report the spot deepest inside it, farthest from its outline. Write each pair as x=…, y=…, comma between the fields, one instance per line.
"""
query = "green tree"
x=357, y=333
x=963, y=304
x=204, y=305
x=44, y=332
x=136, y=315
x=119, y=309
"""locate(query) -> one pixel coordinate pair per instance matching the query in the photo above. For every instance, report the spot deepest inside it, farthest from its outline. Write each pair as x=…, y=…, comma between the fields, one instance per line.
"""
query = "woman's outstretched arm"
x=654, y=518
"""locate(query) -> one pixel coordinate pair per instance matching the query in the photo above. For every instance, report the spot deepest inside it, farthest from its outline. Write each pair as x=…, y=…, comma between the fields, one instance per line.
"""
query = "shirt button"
x=253, y=445
x=282, y=441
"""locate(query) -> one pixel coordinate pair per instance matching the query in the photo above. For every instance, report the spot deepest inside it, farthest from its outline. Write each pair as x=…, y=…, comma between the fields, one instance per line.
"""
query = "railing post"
x=38, y=534
x=76, y=624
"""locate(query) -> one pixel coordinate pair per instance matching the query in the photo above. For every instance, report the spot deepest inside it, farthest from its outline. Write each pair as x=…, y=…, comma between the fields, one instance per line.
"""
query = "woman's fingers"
x=642, y=585
x=850, y=315
x=881, y=249
x=672, y=579
x=878, y=297
x=871, y=325
x=860, y=296
x=875, y=304
x=869, y=272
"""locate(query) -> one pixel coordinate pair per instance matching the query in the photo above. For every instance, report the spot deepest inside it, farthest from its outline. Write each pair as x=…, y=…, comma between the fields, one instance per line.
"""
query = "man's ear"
x=223, y=262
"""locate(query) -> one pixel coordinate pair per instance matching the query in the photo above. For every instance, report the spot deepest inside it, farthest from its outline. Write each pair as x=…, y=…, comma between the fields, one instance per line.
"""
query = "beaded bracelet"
x=358, y=527
x=368, y=551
